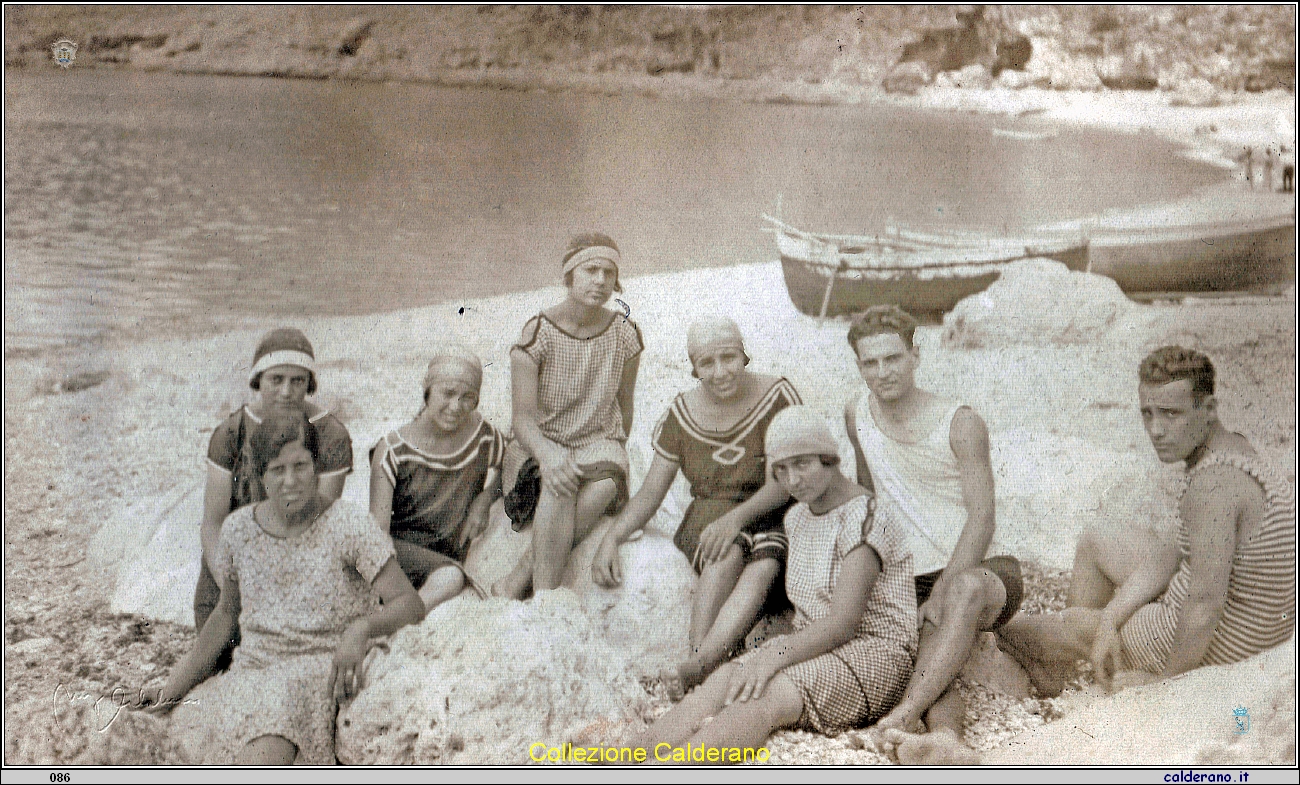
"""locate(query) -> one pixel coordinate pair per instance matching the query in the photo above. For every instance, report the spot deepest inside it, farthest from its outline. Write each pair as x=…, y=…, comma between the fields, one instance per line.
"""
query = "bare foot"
x=681, y=680
x=1123, y=680
x=881, y=736
x=938, y=748
x=515, y=586
x=1048, y=679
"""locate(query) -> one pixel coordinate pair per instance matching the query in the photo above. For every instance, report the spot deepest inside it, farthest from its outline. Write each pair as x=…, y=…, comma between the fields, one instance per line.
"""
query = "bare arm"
x=381, y=490
x=859, y=457
x=606, y=570
x=858, y=574
x=559, y=473
x=216, y=634
x=627, y=390
x=399, y=606
x=969, y=439
x=216, y=506
x=718, y=536
x=1210, y=510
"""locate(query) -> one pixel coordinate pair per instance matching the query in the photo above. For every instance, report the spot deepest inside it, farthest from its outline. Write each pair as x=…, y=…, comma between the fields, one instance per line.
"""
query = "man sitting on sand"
x=1229, y=586
x=928, y=458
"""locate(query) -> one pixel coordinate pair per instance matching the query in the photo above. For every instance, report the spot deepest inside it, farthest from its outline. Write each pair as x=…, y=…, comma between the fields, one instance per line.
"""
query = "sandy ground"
x=77, y=458
x=75, y=461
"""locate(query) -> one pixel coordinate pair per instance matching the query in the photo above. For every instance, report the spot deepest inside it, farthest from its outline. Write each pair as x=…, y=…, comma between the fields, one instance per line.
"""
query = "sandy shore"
x=1062, y=416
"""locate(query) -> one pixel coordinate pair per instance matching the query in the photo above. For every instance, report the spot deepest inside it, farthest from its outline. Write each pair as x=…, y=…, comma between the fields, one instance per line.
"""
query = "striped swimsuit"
x=1259, y=611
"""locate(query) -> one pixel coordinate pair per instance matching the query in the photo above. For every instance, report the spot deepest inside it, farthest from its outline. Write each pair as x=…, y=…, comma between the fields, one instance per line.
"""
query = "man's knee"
x=971, y=592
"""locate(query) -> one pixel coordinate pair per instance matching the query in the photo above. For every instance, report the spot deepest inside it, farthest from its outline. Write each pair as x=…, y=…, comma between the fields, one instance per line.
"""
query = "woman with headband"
x=573, y=373
x=732, y=530
x=433, y=480
x=283, y=376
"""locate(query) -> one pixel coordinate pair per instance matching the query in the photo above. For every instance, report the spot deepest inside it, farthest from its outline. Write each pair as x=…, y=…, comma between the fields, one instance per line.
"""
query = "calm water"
x=139, y=204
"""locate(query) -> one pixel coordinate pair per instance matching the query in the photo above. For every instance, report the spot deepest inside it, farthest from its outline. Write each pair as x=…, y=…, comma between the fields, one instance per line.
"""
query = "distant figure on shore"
x=433, y=480
x=732, y=531
x=850, y=578
x=1288, y=169
x=283, y=375
x=927, y=458
x=1248, y=163
x=573, y=373
x=1224, y=592
x=1266, y=176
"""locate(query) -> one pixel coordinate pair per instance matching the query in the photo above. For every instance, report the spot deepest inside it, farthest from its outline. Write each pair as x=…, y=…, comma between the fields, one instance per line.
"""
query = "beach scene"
x=1054, y=192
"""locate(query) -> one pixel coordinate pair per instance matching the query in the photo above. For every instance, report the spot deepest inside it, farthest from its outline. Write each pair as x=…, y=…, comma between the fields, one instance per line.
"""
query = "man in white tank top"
x=928, y=457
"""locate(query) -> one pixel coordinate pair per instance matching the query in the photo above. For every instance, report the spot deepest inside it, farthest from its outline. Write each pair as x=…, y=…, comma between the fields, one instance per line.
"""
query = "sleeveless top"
x=578, y=378
x=920, y=482
x=432, y=493
x=1259, y=611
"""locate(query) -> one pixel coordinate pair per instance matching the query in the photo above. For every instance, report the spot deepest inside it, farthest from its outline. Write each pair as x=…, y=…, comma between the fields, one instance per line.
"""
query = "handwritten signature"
x=104, y=709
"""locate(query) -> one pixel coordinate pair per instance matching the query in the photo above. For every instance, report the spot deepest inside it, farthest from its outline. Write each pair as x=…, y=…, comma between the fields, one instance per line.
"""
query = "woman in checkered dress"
x=573, y=373
x=851, y=653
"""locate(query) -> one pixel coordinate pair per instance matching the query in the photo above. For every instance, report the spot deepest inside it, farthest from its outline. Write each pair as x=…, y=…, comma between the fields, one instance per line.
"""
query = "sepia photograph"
x=553, y=385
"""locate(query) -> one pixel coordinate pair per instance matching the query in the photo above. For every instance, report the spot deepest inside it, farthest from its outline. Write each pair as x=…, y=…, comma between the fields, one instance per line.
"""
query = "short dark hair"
x=1174, y=363
x=278, y=429
x=829, y=460
x=882, y=320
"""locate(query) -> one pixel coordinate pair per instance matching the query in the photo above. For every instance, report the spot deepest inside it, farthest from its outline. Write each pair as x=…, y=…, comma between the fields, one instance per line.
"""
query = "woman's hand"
x=749, y=678
x=606, y=566
x=1107, y=656
x=718, y=536
x=157, y=700
x=476, y=522
x=346, y=673
x=560, y=473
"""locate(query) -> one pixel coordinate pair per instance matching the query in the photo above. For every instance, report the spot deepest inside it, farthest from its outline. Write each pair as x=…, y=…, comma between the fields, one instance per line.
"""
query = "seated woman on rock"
x=299, y=570
x=433, y=480
x=732, y=531
x=573, y=374
x=849, y=575
x=283, y=375
x=1227, y=591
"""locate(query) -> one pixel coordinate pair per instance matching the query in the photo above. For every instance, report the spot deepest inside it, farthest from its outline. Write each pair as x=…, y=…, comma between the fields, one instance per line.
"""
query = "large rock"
x=480, y=680
x=1036, y=301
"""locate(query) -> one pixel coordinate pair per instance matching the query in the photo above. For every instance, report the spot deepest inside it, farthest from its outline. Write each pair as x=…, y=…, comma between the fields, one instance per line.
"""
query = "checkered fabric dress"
x=863, y=679
x=1259, y=610
x=578, y=378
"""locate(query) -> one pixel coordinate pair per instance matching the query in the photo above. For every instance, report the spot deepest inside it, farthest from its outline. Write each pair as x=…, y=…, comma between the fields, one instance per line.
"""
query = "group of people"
x=886, y=568
x=1283, y=158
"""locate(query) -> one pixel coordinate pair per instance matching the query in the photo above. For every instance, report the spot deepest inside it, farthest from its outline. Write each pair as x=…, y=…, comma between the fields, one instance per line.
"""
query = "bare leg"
x=1121, y=570
x=731, y=622
x=445, y=582
x=519, y=582
x=972, y=602
x=749, y=724
x=560, y=523
x=685, y=719
x=267, y=751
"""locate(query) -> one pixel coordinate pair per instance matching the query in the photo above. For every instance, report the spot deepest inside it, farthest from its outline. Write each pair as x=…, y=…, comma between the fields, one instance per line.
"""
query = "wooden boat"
x=1205, y=257
x=827, y=275
x=927, y=273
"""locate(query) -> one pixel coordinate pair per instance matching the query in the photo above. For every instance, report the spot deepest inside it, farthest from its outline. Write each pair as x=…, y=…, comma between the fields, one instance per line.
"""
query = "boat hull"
x=1142, y=262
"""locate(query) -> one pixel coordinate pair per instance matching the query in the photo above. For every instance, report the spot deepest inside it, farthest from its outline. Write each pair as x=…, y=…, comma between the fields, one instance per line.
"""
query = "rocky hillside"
x=1064, y=47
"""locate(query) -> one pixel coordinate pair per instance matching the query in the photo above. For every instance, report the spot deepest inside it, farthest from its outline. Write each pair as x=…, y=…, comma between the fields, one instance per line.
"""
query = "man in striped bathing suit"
x=1143, y=609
